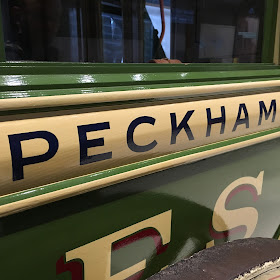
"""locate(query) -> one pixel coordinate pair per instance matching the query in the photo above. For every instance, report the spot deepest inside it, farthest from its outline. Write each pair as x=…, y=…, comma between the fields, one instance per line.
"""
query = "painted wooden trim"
x=105, y=97
x=269, y=28
x=36, y=201
x=126, y=135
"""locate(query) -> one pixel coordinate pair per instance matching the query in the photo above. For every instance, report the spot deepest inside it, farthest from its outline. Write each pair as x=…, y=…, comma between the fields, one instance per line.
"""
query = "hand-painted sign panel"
x=48, y=148
x=96, y=256
x=94, y=259
x=136, y=228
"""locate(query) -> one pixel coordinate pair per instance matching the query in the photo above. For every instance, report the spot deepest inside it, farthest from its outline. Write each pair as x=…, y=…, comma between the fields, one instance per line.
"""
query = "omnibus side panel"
x=136, y=228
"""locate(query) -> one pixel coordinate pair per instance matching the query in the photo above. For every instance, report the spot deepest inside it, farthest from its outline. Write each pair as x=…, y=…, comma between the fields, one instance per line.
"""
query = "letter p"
x=18, y=161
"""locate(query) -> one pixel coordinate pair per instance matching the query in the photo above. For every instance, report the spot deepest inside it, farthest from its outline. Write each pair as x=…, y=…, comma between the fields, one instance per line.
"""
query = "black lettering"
x=245, y=120
x=221, y=120
x=85, y=144
x=130, y=133
x=267, y=114
x=183, y=125
x=18, y=162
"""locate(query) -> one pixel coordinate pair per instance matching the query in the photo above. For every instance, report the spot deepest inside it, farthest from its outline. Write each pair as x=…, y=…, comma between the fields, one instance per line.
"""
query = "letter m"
x=263, y=109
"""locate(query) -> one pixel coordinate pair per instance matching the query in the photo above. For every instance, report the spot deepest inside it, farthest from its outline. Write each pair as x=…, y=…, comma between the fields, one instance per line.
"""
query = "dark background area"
x=119, y=31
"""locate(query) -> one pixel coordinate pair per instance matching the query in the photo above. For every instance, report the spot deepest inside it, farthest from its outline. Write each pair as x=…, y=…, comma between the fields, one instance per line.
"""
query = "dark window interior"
x=130, y=31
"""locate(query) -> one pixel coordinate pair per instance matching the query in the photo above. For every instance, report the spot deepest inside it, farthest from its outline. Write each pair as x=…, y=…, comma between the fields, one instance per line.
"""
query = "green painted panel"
x=270, y=19
x=33, y=241
x=78, y=80
x=35, y=68
x=17, y=93
x=19, y=80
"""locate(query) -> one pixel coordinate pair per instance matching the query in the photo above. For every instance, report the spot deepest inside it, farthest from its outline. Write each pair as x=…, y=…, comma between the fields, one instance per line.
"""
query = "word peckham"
x=46, y=148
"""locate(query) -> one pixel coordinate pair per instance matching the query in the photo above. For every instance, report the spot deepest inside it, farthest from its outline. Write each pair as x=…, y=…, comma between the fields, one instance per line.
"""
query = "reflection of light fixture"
x=86, y=79
x=137, y=77
x=17, y=94
x=14, y=80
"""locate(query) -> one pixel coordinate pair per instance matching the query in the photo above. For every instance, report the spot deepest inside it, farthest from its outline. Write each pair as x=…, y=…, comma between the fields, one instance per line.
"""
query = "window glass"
x=126, y=31
x=112, y=23
x=44, y=30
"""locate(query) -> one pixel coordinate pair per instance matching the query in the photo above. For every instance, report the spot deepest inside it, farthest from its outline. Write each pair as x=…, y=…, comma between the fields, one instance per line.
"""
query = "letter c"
x=130, y=133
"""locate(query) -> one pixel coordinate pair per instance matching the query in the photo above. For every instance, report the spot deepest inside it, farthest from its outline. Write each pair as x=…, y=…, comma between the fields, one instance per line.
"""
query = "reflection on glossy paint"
x=17, y=94
x=86, y=79
x=188, y=249
x=184, y=75
x=19, y=195
x=140, y=88
x=14, y=80
x=88, y=91
x=138, y=77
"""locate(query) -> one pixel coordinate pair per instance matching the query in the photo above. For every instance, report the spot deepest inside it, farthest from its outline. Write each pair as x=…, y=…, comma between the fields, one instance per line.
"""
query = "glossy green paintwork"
x=270, y=19
x=34, y=240
x=42, y=235
x=20, y=80
x=26, y=79
x=34, y=82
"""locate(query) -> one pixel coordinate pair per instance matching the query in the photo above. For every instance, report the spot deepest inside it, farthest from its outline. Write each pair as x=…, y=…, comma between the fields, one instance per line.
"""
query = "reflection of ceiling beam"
x=94, y=31
x=2, y=48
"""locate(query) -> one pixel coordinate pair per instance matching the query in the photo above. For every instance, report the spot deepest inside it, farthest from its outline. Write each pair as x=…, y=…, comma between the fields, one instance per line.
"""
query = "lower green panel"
x=160, y=218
